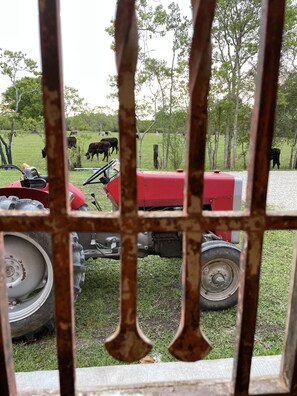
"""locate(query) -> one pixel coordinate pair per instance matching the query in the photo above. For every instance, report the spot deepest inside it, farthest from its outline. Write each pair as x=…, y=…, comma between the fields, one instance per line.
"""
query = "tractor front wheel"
x=219, y=275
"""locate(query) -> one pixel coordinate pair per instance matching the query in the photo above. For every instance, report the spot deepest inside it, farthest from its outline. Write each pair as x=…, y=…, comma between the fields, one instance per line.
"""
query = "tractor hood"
x=156, y=190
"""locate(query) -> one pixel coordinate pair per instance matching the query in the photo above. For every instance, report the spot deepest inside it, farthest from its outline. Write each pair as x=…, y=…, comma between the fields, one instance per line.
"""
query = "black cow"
x=114, y=144
x=71, y=142
x=98, y=148
x=274, y=156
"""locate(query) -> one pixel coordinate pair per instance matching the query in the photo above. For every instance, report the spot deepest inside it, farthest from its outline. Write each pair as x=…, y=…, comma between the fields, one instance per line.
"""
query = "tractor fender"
x=79, y=197
x=15, y=188
x=24, y=192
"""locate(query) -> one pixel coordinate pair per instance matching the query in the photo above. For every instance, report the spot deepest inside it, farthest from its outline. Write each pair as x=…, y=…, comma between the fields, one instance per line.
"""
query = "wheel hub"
x=218, y=279
x=15, y=271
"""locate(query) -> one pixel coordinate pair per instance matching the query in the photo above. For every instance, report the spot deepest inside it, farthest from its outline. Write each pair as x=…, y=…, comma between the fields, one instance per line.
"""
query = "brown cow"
x=98, y=148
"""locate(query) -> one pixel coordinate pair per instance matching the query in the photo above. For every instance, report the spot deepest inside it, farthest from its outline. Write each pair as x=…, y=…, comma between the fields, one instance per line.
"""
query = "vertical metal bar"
x=7, y=376
x=53, y=99
x=127, y=343
x=260, y=143
x=53, y=102
x=264, y=105
x=189, y=343
x=289, y=360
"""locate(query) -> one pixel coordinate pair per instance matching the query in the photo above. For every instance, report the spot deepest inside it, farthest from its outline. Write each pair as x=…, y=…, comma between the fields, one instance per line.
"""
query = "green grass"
x=159, y=294
x=27, y=148
x=159, y=300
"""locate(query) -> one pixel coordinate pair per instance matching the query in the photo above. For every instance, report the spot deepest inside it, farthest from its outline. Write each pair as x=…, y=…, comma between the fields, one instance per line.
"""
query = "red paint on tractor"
x=79, y=197
x=157, y=190
x=166, y=189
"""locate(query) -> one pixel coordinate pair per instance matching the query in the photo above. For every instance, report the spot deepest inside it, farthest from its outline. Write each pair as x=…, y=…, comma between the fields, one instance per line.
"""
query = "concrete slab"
x=97, y=379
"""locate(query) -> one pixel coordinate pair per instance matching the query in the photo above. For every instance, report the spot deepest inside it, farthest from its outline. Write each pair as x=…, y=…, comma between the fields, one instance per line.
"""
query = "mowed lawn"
x=159, y=297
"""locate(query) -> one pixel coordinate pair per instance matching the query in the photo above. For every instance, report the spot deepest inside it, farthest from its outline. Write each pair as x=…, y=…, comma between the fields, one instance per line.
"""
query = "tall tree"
x=74, y=104
x=289, y=44
x=30, y=107
x=286, y=115
x=15, y=65
x=167, y=77
x=162, y=79
x=235, y=39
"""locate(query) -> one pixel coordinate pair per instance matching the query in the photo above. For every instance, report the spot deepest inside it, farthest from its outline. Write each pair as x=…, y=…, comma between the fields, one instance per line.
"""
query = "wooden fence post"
x=156, y=162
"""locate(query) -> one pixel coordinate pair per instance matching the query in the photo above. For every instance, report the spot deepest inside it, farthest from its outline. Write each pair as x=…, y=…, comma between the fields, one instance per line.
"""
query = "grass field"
x=27, y=148
x=96, y=312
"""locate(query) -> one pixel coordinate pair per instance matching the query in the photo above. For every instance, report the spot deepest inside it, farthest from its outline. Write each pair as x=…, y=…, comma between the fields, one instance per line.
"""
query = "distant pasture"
x=27, y=148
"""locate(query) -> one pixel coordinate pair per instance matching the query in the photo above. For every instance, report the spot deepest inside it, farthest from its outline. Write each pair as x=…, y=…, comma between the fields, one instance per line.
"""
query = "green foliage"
x=73, y=103
x=97, y=120
x=289, y=44
x=161, y=83
x=30, y=108
x=286, y=115
x=15, y=65
x=4, y=122
x=287, y=108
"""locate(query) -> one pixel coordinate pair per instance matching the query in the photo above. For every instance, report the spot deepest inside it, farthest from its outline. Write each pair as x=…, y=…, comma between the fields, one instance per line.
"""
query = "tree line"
x=161, y=84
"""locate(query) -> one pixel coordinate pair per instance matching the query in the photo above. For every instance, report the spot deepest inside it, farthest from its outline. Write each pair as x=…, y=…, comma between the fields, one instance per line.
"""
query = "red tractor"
x=29, y=269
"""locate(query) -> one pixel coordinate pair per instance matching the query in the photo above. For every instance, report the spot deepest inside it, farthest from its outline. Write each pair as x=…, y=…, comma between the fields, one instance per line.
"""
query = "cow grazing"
x=114, y=144
x=274, y=156
x=98, y=148
x=71, y=142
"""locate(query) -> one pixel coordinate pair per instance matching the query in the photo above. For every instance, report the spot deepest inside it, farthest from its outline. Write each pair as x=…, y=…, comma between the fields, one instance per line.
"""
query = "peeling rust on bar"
x=260, y=144
x=199, y=76
x=127, y=343
x=189, y=343
x=146, y=221
x=53, y=100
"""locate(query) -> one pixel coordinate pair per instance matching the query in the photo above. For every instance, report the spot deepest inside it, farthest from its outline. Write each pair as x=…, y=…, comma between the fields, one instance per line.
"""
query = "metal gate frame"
x=128, y=343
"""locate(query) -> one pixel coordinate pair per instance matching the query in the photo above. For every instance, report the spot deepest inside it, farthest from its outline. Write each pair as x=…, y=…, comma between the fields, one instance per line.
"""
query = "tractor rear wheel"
x=219, y=275
x=29, y=274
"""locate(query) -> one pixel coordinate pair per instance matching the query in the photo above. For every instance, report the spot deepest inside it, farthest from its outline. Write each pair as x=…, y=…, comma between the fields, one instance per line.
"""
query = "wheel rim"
x=29, y=275
x=219, y=279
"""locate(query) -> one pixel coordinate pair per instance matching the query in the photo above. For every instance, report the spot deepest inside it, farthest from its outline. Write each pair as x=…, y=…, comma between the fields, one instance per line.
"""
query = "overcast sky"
x=87, y=57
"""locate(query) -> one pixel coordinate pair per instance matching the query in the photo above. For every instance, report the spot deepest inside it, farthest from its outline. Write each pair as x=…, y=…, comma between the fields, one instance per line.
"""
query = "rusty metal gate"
x=128, y=343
